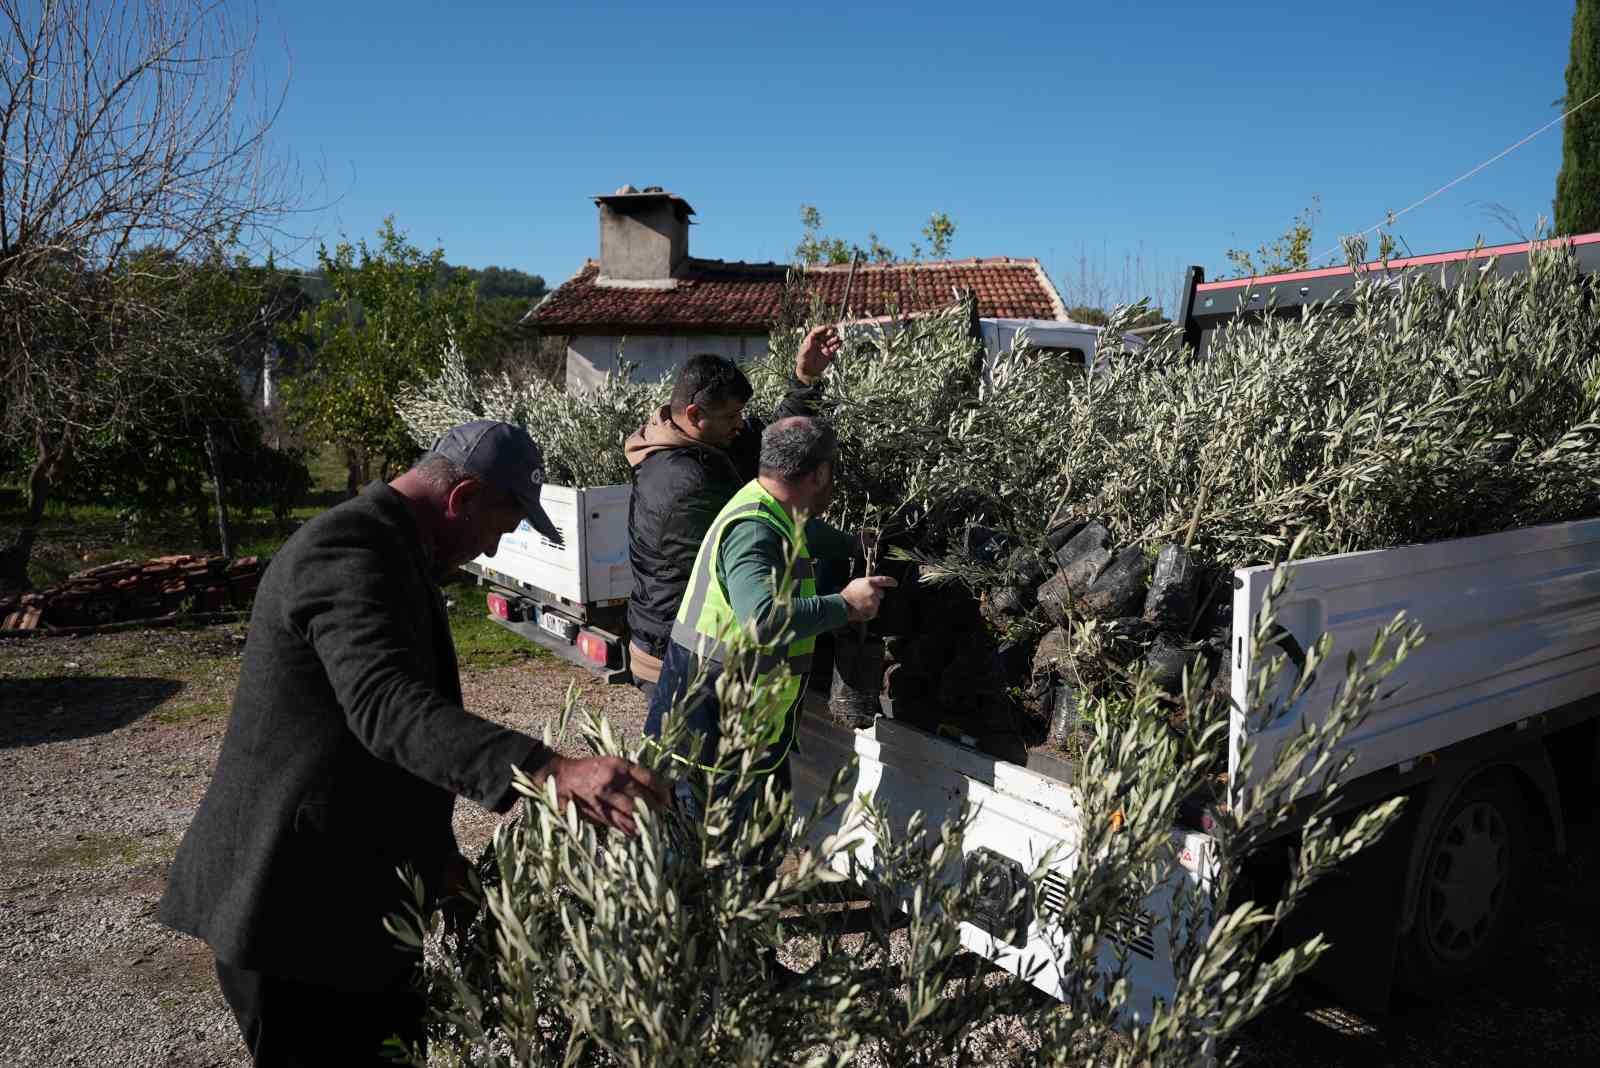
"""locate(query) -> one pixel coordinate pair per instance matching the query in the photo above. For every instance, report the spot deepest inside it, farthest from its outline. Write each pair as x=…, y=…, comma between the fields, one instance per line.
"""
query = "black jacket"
x=345, y=749
x=679, y=486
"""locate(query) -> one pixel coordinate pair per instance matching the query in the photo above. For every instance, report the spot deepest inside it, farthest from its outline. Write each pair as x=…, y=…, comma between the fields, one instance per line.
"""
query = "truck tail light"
x=597, y=650
x=499, y=607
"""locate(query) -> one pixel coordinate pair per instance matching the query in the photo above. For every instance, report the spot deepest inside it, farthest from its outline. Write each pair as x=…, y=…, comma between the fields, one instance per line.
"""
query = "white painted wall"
x=591, y=357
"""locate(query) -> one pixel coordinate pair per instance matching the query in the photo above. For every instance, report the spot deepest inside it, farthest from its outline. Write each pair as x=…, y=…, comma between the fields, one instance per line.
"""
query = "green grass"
x=190, y=711
x=480, y=642
x=77, y=536
x=186, y=653
x=327, y=470
x=92, y=851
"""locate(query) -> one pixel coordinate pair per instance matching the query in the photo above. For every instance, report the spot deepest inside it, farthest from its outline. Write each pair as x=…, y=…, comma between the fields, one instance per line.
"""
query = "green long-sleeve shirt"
x=753, y=552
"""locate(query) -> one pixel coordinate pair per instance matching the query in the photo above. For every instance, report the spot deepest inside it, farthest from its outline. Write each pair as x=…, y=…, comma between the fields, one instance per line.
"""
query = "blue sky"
x=1126, y=139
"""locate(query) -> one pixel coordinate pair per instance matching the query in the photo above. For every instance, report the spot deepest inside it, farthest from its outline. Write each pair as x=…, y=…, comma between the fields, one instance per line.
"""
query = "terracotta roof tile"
x=746, y=297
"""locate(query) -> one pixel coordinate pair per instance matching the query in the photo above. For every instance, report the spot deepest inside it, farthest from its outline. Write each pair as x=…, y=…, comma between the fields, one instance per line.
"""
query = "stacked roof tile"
x=715, y=295
x=126, y=590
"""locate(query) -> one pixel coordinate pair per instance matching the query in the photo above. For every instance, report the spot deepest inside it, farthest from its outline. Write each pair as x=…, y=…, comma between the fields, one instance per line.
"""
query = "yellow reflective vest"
x=706, y=619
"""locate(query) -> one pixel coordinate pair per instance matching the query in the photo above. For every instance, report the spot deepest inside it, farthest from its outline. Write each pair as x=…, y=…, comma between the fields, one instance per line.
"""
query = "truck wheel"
x=1470, y=880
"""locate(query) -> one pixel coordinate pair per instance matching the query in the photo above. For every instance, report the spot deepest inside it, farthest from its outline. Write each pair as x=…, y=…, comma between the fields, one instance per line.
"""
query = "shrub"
x=260, y=476
x=1412, y=413
x=893, y=392
x=599, y=949
x=581, y=433
x=1415, y=413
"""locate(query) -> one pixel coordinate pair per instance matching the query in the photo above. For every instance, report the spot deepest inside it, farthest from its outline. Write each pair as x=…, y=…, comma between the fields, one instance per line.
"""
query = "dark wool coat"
x=345, y=750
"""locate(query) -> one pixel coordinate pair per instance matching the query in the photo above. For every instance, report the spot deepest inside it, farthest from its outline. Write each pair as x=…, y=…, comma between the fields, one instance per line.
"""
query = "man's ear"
x=462, y=498
x=694, y=415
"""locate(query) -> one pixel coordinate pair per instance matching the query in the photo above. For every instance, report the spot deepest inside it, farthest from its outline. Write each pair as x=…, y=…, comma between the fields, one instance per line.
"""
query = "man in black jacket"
x=345, y=750
x=688, y=461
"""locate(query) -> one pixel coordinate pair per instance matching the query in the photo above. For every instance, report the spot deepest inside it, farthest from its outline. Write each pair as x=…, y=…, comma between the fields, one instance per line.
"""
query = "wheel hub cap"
x=1467, y=881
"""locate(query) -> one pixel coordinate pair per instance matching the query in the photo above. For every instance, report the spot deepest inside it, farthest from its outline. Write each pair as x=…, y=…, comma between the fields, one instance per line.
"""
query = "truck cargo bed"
x=1020, y=815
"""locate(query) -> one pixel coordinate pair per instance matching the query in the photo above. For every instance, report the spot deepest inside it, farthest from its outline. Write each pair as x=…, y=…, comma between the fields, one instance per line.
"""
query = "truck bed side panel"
x=1020, y=815
x=1512, y=624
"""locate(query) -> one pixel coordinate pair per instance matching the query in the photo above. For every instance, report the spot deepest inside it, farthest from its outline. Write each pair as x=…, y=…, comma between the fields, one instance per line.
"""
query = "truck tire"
x=1471, y=878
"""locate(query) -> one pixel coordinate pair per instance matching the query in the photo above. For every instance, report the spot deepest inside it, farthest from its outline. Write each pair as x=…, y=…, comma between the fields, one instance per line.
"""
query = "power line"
x=1388, y=220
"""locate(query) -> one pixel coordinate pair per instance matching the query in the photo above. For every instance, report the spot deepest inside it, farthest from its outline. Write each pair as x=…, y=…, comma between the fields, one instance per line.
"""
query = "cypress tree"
x=1577, y=205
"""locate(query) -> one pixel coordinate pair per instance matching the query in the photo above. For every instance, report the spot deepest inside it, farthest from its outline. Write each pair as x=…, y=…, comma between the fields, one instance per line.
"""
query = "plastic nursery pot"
x=857, y=678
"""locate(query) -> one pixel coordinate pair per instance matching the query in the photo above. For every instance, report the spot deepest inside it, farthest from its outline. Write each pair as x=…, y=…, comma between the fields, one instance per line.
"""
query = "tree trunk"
x=14, y=560
x=200, y=506
x=218, y=487
x=357, y=467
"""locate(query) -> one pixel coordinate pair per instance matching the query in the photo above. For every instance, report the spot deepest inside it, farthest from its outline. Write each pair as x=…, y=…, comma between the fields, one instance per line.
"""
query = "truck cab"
x=1076, y=343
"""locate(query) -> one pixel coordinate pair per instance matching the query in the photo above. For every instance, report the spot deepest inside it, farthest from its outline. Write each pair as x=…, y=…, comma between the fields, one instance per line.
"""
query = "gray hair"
x=440, y=472
x=795, y=447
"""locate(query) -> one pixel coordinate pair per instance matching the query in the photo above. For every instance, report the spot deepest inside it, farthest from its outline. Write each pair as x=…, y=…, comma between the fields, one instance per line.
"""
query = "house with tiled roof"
x=647, y=300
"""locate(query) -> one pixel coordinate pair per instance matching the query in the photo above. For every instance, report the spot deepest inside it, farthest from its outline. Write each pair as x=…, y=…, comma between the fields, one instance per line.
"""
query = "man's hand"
x=863, y=596
x=455, y=886
x=817, y=351
x=605, y=789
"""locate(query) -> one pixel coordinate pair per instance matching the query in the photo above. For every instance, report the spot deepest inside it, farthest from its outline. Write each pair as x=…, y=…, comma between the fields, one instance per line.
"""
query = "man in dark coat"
x=346, y=748
x=688, y=461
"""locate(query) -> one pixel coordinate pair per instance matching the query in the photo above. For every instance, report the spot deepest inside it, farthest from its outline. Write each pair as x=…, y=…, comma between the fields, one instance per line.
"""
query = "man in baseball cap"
x=346, y=748
x=502, y=456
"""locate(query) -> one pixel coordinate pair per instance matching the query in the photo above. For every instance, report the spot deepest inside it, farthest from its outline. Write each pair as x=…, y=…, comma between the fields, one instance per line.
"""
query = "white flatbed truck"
x=1491, y=729
x=570, y=597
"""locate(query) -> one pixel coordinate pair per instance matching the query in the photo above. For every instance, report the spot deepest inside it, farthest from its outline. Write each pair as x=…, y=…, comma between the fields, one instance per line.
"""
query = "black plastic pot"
x=1170, y=603
x=857, y=678
x=1083, y=558
x=1120, y=588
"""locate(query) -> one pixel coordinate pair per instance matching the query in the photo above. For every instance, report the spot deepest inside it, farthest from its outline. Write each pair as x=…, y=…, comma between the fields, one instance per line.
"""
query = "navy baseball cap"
x=501, y=455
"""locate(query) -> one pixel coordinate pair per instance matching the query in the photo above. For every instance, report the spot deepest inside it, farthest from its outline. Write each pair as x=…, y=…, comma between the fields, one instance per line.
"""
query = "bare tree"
x=134, y=145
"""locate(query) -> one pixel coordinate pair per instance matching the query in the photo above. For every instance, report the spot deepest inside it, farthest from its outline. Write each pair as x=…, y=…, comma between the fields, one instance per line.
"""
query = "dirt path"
x=107, y=743
x=106, y=746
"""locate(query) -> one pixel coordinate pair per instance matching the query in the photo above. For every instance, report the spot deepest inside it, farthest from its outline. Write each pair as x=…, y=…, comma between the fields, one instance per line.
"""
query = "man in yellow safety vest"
x=748, y=546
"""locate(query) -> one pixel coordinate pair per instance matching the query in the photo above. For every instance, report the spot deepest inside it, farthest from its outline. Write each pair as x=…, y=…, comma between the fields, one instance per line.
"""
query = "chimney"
x=644, y=237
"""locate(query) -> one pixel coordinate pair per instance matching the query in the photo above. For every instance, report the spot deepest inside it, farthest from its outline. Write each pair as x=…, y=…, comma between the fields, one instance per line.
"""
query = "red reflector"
x=593, y=648
x=498, y=607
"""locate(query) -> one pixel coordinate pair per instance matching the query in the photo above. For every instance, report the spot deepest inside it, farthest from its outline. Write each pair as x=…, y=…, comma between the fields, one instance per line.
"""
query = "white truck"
x=570, y=597
x=1491, y=729
x=1078, y=343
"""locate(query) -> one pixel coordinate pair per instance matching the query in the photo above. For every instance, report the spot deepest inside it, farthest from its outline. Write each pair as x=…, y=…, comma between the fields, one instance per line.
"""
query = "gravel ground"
x=107, y=743
x=106, y=746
